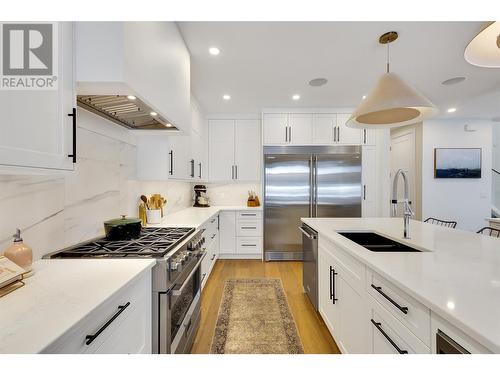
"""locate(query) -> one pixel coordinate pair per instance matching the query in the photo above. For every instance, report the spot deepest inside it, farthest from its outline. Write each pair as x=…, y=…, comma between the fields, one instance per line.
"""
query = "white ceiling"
x=262, y=64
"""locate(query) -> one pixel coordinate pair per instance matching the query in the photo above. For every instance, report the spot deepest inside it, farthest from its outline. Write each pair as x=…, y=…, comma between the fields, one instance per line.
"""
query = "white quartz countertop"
x=59, y=294
x=197, y=216
x=458, y=278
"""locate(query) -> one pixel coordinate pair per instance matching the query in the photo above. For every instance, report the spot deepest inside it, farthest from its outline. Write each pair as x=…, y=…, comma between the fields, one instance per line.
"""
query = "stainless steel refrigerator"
x=306, y=181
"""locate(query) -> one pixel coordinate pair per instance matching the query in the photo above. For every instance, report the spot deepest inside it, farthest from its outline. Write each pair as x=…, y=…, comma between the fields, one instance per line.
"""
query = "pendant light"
x=484, y=49
x=392, y=102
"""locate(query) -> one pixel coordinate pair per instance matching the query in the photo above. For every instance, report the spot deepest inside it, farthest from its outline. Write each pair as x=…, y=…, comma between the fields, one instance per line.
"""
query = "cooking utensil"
x=145, y=200
x=123, y=228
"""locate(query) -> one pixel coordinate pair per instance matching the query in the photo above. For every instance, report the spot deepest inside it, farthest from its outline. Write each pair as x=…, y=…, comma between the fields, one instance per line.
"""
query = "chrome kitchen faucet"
x=408, y=212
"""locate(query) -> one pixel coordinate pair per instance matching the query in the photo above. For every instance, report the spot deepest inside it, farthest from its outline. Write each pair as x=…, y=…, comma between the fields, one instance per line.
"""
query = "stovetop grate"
x=152, y=243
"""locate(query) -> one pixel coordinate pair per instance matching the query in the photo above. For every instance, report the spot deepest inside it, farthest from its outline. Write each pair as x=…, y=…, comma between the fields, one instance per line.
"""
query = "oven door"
x=184, y=309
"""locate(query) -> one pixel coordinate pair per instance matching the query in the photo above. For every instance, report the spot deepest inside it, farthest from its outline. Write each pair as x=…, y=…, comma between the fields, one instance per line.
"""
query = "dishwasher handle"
x=311, y=236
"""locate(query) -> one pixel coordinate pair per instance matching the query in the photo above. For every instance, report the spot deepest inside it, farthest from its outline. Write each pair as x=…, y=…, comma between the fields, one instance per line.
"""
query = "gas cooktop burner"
x=152, y=243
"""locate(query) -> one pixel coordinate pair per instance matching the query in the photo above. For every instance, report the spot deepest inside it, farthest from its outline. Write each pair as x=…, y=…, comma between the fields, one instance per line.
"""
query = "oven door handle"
x=177, y=291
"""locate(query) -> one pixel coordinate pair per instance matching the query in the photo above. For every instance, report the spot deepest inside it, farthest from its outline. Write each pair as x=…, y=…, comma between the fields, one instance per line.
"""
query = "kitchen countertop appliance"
x=176, y=279
x=200, y=197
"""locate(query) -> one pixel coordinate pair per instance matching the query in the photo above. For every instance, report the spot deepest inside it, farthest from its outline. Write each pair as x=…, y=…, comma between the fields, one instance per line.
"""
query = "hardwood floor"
x=315, y=336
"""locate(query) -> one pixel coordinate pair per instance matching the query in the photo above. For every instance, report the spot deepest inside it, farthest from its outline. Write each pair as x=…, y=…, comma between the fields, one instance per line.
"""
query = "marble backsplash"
x=61, y=209
x=232, y=194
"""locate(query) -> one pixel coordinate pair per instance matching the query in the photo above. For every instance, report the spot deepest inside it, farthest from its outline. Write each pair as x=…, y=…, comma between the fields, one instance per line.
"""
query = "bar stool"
x=489, y=231
x=443, y=223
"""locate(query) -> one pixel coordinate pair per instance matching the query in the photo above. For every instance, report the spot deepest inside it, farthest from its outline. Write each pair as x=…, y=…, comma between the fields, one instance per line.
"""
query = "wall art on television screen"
x=457, y=163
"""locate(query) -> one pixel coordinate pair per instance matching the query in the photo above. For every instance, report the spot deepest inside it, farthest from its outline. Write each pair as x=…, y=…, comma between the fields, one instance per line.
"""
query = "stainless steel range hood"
x=125, y=110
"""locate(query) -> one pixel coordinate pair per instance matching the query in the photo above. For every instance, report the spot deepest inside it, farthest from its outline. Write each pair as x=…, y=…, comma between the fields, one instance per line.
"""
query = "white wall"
x=55, y=210
x=467, y=201
x=232, y=194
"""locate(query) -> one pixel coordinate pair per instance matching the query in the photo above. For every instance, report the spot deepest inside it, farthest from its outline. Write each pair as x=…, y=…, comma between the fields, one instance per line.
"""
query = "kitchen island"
x=451, y=285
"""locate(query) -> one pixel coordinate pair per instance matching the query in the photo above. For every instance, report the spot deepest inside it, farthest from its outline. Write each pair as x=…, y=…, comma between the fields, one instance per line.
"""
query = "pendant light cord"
x=388, y=56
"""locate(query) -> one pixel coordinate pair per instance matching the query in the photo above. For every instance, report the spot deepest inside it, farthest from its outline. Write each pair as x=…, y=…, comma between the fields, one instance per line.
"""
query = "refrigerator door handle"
x=311, y=186
x=315, y=184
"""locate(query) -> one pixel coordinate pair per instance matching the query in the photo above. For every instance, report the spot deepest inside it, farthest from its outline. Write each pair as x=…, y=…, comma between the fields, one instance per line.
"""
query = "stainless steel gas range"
x=176, y=279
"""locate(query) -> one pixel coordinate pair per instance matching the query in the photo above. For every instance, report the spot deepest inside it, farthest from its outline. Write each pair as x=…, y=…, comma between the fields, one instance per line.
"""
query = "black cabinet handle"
x=171, y=171
x=364, y=192
x=73, y=154
x=192, y=168
x=364, y=136
x=332, y=285
x=286, y=133
x=403, y=309
x=248, y=227
x=248, y=245
x=91, y=338
x=213, y=236
x=248, y=214
x=213, y=257
x=379, y=327
x=199, y=165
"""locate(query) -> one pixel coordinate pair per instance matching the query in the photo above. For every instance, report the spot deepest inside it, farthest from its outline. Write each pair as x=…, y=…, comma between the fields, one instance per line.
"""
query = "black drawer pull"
x=248, y=245
x=378, y=325
x=248, y=227
x=213, y=257
x=213, y=236
x=91, y=338
x=248, y=214
x=403, y=309
x=332, y=285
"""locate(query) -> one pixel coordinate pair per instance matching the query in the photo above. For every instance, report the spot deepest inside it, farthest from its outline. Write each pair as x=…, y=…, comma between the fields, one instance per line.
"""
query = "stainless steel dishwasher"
x=310, y=263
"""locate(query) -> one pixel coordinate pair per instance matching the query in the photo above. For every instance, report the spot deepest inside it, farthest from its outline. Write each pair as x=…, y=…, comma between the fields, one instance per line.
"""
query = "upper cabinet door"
x=221, y=150
x=247, y=150
x=180, y=158
x=300, y=128
x=368, y=137
x=36, y=130
x=275, y=128
x=323, y=128
x=345, y=135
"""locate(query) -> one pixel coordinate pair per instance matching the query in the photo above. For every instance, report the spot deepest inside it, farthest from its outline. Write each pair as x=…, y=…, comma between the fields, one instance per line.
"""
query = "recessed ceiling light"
x=226, y=97
x=168, y=125
x=363, y=97
x=318, y=82
x=131, y=97
x=296, y=97
x=214, y=51
x=451, y=110
x=152, y=113
x=453, y=81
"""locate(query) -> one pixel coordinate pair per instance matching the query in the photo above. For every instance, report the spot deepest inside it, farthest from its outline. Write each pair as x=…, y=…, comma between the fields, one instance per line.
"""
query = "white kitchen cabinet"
x=369, y=137
x=127, y=321
x=227, y=232
x=180, y=160
x=300, y=128
x=328, y=306
x=345, y=135
x=37, y=127
x=323, y=128
x=342, y=301
x=221, y=150
x=234, y=150
x=387, y=335
x=247, y=150
x=275, y=128
x=369, y=181
x=287, y=129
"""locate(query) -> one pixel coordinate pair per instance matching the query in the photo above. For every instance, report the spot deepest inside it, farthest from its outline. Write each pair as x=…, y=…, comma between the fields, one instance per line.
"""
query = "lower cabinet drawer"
x=249, y=228
x=249, y=245
x=120, y=325
x=415, y=316
x=389, y=336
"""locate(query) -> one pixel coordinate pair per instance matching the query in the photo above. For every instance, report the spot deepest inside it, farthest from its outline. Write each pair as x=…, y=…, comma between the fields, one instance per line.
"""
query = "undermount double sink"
x=377, y=243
